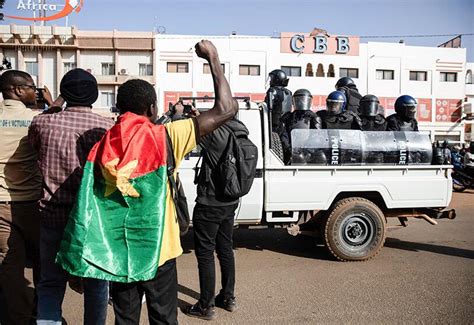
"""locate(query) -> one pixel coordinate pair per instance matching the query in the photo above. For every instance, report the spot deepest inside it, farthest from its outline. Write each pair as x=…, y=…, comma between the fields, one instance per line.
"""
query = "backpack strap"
x=170, y=166
x=197, y=168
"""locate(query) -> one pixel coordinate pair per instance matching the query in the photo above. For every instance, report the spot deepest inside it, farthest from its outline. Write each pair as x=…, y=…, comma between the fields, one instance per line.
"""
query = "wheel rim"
x=357, y=231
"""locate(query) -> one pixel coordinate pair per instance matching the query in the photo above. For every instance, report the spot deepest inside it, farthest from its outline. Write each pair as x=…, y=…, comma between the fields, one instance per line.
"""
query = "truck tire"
x=276, y=146
x=354, y=229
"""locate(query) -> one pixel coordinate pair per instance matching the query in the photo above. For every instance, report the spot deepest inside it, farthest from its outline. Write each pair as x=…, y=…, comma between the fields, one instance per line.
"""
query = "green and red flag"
x=116, y=227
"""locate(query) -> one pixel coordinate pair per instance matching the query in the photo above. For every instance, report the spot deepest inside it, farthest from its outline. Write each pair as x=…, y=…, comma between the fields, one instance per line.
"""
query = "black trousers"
x=161, y=298
x=213, y=229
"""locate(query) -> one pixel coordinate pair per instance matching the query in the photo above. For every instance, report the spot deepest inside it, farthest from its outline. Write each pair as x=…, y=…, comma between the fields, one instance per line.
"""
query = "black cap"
x=79, y=88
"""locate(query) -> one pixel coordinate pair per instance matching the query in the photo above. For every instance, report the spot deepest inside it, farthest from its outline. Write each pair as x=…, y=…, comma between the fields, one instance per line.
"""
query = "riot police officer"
x=278, y=98
x=278, y=101
x=302, y=118
x=348, y=87
x=404, y=117
x=371, y=120
x=336, y=116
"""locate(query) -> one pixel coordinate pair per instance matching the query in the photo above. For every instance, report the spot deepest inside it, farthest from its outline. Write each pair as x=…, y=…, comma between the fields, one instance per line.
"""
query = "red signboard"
x=448, y=110
x=173, y=96
x=257, y=97
x=388, y=103
x=319, y=103
x=424, y=109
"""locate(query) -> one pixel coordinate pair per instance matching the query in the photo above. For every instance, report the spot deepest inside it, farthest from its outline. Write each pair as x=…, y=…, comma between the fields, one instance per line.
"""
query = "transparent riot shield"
x=353, y=147
x=326, y=147
x=396, y=148
x=379, y=148
x=309, y=147
x=420, y=150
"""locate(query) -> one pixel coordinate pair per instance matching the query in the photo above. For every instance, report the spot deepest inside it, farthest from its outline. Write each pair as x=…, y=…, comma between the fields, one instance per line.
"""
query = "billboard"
x=47, y=11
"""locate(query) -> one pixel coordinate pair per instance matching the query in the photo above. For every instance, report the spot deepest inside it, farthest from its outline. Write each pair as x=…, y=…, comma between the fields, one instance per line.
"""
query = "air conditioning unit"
x=123, y=72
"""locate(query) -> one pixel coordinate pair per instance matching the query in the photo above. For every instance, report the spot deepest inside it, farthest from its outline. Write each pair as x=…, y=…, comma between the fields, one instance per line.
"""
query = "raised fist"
x=206, y=50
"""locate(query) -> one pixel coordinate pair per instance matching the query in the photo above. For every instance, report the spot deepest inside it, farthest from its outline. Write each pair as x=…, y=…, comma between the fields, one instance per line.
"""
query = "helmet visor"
x=334, y=107
x=369, y=109
x=410, y=111
x=302, y=103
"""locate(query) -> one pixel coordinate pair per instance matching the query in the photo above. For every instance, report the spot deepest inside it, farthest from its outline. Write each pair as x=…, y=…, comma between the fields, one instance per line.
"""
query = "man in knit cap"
x=63, y=141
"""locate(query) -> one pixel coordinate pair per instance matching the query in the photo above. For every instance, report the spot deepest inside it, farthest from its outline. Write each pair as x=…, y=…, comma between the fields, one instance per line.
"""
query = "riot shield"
x=354, y=147
x=326, y=147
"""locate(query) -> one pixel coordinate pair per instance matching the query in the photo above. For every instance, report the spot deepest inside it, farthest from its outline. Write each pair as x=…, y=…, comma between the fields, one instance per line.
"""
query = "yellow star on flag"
x=119, y=178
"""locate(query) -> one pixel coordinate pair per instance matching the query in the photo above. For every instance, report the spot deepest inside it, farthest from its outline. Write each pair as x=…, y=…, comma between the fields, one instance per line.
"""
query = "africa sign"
x=32, y=5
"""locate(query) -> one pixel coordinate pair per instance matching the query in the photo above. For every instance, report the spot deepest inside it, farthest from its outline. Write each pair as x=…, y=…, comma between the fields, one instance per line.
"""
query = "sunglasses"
x=29, y=86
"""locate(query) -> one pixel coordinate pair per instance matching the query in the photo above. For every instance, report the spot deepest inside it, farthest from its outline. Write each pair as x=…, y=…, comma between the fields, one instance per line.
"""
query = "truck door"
x=251, y=205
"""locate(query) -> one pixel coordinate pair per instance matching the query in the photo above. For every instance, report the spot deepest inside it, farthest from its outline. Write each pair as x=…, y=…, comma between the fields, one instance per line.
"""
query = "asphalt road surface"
x=424, y=274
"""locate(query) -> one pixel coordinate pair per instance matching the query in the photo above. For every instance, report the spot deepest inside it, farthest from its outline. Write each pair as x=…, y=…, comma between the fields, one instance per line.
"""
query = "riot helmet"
x=278, y=77
x=369, y=105
x=302, y=100
x=344, y=82
x=336, y=103
x=405, y=107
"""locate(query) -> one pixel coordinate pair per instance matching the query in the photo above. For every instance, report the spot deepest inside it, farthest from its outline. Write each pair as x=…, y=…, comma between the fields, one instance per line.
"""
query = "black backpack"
x=237, y=167
x=176, y=190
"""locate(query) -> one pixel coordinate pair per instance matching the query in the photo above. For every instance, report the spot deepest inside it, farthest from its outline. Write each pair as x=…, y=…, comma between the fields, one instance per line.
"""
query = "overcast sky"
x=264, y=17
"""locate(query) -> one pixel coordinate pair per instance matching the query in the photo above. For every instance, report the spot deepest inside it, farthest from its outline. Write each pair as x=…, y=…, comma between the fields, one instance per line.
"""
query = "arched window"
x=469, y=77
x=331, y=73
x=309, y=70
x=320, y=71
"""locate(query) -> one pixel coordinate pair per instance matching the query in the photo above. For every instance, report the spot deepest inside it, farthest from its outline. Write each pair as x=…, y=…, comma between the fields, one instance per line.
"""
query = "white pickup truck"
x=347, y=206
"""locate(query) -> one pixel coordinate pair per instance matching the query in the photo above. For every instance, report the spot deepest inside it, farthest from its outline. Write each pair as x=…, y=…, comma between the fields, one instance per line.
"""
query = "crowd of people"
x=86, y=199
x=346, y=109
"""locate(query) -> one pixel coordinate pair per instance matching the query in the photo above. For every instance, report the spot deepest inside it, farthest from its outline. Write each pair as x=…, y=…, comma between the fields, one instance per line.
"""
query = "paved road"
x=424, y=274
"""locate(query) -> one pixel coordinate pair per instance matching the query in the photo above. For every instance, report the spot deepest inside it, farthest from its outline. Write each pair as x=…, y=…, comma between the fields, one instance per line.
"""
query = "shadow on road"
x=183, y=305
x=415, y=247
x=275, y=240
x=467, y=191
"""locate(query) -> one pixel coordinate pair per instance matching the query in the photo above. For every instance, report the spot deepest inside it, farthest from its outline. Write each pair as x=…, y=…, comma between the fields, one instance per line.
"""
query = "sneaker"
x=197, y=311
x=227, y=304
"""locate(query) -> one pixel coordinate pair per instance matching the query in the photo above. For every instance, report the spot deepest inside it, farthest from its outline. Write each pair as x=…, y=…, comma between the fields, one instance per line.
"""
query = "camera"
x=40, y=95
x=187, y=110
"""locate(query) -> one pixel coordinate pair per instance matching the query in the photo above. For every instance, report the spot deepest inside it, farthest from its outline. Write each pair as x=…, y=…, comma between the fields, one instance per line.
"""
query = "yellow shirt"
x=184, y=137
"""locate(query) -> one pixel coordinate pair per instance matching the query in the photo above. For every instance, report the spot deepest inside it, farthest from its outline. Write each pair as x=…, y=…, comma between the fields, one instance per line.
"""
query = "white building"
x=439, y=78
x=435, y=76
x=469, y=102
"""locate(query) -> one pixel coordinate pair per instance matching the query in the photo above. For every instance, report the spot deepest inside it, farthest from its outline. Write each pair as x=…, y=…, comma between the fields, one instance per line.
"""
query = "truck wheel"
x=276, y=145
x=354, y=229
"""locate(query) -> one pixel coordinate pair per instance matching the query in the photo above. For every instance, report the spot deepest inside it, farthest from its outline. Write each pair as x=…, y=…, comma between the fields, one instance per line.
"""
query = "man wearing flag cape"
x=123, y=227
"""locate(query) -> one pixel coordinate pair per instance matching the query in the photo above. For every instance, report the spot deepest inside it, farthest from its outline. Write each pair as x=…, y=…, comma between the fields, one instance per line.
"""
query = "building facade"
x=469, y=103
x=440, y=78
x=435, y=76
x=48, y=52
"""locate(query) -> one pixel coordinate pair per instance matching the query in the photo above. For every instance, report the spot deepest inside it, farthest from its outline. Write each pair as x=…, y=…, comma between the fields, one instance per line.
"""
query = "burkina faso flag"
x=116, y=227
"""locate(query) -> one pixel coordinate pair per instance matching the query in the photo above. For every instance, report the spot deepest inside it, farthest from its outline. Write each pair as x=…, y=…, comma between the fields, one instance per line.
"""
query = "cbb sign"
x=319, y=44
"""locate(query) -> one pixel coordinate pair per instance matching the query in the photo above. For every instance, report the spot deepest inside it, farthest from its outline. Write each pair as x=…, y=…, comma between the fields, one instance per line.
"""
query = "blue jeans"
x=53, y=280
